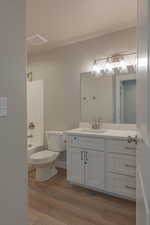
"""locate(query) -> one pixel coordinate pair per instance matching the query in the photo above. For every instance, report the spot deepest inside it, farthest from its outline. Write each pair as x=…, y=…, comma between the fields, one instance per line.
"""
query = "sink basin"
x=99, y=131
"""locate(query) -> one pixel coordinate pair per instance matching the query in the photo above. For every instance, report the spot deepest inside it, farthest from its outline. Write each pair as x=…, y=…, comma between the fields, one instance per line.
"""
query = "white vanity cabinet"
x=85, y=165
x=102, y=164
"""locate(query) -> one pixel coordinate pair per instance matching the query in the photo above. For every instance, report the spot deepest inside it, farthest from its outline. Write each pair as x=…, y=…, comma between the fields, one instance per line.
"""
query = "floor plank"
x=56, y=202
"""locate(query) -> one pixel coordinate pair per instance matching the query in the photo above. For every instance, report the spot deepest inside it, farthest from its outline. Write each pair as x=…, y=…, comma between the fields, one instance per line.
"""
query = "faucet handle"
x=94, y=124
x=31, y=125
x=100, y=122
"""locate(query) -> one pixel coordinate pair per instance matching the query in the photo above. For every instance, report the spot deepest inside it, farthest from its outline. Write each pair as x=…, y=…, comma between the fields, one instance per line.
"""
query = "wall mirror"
x=111, y=98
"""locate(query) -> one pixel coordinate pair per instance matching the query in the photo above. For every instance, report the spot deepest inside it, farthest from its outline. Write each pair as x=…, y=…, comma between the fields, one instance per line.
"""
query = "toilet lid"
x=44, y=157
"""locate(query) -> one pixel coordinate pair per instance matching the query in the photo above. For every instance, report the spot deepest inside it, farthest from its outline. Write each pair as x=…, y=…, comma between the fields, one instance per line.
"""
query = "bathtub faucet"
x=30, y=136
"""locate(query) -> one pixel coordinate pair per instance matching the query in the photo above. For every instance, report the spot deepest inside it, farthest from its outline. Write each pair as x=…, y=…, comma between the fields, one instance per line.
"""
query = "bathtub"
x=31, y=149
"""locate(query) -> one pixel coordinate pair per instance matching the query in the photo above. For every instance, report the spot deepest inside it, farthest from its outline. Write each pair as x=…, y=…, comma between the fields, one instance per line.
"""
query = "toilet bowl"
x=44, y=161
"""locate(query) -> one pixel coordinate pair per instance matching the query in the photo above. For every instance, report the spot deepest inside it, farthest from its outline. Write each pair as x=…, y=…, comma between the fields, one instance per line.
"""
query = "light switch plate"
x=3, y=106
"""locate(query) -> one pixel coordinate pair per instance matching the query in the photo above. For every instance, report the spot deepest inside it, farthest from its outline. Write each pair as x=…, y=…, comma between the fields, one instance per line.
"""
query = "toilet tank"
x=56, y=141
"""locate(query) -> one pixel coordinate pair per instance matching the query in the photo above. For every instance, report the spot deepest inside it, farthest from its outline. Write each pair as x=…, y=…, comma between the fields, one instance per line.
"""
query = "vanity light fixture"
x=113, y=64
x=123, y=65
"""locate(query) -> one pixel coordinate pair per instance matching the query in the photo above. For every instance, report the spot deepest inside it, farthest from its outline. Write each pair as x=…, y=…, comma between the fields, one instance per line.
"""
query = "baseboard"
x=103, y=191
x=61, y=164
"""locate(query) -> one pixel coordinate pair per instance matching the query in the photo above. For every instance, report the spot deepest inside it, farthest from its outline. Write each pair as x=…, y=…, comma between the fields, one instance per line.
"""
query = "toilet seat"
x=44, y=157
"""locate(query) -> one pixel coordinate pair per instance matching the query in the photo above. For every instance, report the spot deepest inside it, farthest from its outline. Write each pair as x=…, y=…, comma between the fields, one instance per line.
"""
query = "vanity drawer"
x=122, y=164
x=123, y=185
x=87, y=142
x=121, y=147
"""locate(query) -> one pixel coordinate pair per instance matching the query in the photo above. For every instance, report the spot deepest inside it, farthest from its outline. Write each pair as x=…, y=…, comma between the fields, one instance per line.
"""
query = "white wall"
x=60, y=69
x=13, y=182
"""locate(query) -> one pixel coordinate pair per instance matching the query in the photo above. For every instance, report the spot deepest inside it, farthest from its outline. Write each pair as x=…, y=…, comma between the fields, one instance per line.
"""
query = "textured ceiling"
x=63, y=22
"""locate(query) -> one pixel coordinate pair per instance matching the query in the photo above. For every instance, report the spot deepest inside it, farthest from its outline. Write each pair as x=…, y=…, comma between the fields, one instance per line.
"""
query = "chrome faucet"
x=100, y=121
x=97, y=124
x=31, y=126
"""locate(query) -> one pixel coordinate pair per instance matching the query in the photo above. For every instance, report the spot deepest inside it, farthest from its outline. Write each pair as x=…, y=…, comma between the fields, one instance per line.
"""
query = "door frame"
x=119, y=79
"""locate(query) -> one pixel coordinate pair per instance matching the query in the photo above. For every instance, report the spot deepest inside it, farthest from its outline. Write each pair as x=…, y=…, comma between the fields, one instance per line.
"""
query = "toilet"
x=44, y=161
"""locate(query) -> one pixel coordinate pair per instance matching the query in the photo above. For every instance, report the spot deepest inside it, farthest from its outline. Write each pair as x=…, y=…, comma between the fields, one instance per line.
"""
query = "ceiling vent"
x=36, y=40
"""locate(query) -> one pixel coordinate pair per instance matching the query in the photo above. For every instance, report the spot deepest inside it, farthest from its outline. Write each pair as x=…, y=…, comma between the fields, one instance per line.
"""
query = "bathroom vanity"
x=103, y=160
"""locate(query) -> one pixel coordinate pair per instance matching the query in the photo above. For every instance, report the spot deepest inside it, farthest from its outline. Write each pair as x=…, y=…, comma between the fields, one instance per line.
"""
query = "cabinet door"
x=75, y=165
x=94, y=169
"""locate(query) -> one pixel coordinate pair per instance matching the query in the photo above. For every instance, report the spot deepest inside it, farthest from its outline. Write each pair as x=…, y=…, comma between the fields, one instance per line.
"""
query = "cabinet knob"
x=130, y=166
x=130, y=139
x=133, y=139
x=129, y=187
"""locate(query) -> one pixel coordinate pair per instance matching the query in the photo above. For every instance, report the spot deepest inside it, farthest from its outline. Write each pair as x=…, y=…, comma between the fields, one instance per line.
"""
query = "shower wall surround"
x=35, y=117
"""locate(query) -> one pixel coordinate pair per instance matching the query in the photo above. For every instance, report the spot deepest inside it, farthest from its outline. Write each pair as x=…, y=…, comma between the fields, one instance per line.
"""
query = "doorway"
x=128, y=101
x=125, y=97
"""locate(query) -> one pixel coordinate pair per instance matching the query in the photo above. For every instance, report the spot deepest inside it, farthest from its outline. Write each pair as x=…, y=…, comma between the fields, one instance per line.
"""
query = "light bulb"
x=116, y=65
x=108, y=67
x=122, y=65
x=95, y=68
